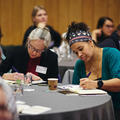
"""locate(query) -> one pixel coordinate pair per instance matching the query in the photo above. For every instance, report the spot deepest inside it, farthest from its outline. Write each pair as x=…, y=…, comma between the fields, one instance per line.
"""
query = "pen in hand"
x=31, y=79
x=14, y=69
x=88, y=74
x=82, y=81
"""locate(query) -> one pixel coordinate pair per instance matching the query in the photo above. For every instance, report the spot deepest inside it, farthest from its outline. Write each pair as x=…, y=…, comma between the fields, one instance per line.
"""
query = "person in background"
x=0, y=34
x=34, y=59
x=40, y=16
x=8, y=109
x=116, y=37
x=102, y=35
x=102, y=65
x=2, y=50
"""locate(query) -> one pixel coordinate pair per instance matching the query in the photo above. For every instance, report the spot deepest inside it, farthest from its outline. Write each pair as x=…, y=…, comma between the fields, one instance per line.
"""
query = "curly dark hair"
x=76, y=27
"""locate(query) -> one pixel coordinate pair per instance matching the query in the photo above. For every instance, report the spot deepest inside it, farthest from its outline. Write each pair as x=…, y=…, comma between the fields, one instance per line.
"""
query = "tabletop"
x=64, y=107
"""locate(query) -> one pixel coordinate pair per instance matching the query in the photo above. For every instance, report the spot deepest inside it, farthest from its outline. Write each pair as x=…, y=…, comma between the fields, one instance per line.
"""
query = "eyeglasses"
x=109, y=26
x=33, y=49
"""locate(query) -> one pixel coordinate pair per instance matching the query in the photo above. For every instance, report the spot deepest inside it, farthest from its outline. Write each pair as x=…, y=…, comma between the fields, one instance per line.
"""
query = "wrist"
x=99, y=84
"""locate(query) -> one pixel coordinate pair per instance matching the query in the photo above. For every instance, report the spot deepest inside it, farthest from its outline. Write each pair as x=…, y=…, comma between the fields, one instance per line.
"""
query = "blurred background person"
x=2, y=50
x=8, y=109
x=39, y=15
x=0, y=34
x=97, y=67
x=102, y=35
x=33, y=59
x=116, y=37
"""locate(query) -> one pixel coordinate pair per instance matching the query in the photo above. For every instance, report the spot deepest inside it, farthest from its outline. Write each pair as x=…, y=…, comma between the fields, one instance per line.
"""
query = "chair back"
x=67, y=78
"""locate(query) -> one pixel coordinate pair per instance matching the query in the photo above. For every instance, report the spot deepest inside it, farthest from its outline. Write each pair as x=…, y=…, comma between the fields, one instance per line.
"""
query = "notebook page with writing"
x=77, y=89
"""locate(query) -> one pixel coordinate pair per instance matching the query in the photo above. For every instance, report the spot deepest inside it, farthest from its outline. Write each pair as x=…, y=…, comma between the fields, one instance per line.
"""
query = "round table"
x=63, y=107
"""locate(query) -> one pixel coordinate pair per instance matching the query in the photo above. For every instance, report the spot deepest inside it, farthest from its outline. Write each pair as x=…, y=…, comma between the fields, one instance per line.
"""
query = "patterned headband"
x=79, y=36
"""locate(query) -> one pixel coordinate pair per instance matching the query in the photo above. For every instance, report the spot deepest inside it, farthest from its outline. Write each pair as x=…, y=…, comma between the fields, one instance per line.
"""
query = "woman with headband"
x=34, y=59
x=102, y=64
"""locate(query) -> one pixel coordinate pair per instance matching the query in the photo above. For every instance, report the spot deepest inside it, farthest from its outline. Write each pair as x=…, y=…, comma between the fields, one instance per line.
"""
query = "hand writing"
x=86, y=83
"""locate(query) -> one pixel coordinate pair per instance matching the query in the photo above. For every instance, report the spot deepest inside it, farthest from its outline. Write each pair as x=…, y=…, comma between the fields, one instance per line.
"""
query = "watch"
x=100, y=84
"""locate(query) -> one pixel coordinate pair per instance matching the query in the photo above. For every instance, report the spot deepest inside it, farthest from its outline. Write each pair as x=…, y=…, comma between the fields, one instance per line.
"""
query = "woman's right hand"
x=87, y=83
x=95, y=33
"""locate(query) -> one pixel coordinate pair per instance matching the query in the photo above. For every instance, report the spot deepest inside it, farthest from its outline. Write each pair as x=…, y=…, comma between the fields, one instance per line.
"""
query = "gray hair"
x=40, y=33
x=10, y=98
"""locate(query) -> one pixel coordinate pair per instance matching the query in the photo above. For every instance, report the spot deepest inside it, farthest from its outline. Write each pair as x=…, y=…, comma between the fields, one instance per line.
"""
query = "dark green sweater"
x=110, y=69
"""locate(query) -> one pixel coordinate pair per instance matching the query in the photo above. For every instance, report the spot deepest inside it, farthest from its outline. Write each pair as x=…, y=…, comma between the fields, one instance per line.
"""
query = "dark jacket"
x=55, y=36
x=18, y=57
x=104, y=41
x=107, y=43
x=116, y=39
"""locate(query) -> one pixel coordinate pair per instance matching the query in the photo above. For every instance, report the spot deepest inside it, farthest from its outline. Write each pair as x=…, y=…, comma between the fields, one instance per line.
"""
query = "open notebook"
x=77, y=89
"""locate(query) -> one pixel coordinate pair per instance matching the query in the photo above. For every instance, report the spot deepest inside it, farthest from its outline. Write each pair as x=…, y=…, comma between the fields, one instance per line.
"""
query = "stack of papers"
x=77, y=89
x=33, y=82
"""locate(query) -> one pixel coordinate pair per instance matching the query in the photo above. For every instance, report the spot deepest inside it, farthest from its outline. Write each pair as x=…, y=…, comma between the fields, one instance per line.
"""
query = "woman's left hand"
x=86, y=83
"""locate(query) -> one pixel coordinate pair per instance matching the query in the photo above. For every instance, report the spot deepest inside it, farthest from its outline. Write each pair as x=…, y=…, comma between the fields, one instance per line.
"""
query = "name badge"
x=41, y=69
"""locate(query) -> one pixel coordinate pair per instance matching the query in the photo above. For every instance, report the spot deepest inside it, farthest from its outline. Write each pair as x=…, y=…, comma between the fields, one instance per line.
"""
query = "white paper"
x=20, y=107
x=38, y=82
x=36, y=110
x=29, y=89
x=88, y=92
x=18, y=102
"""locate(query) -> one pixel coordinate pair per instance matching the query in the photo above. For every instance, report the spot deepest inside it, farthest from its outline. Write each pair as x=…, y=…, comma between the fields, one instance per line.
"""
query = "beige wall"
x=15, y=15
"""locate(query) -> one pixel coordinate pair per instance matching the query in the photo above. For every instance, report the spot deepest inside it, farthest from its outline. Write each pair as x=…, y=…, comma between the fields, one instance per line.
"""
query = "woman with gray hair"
x=34, y=59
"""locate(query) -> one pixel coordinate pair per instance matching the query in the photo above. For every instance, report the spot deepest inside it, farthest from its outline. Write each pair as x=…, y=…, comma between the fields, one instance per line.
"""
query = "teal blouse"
x=110, y=69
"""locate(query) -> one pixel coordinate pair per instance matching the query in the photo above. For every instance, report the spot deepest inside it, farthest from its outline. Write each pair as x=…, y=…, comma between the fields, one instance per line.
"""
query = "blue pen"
x=88, y=74
x=14, y=69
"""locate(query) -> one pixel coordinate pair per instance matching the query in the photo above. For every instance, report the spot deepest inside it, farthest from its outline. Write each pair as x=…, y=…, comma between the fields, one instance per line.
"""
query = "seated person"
x=116, y=37
x=3, y=49
x=34, y=58
x=2, y=52
x=7, y=103
x=102, y=63
x=102, y=35
x=39, y=15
